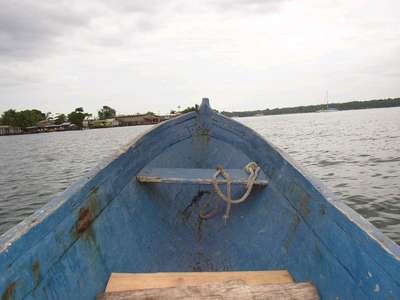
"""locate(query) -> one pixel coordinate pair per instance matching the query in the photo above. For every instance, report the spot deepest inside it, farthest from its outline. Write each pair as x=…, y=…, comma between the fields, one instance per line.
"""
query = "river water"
x=355, y=153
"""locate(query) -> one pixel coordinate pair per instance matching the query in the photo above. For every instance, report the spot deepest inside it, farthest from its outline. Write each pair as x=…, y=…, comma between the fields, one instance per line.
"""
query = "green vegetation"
x=390, y=102
x=106, y=113
x=190, y=108
x=77, y=116
x=60, y=118
x=23, y=119
x=186, y=110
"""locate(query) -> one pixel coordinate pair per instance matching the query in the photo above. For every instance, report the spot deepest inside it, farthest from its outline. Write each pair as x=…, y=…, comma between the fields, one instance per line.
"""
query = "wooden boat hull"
x=110, y=222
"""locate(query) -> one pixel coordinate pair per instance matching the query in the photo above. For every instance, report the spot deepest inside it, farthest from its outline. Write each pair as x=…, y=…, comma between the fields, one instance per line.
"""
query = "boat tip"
x=205, y=106
x=205, y=102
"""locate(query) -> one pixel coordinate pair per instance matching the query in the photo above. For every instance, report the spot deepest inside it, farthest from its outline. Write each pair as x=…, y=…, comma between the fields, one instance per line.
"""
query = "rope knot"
x=252, y=168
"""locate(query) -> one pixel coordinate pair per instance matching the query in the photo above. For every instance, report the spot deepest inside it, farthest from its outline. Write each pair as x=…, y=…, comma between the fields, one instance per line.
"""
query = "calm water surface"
x=355, y=153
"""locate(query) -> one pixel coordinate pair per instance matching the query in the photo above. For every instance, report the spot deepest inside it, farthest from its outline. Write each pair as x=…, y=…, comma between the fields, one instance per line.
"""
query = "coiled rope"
x=252, y=168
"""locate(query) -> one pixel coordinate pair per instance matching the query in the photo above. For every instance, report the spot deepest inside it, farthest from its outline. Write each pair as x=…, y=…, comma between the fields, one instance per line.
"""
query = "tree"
x=189, y=109
x=106, y=113
x=60, y=118
x=77, y=116
x=23, y=119
x=27, y=118
x=9, y=117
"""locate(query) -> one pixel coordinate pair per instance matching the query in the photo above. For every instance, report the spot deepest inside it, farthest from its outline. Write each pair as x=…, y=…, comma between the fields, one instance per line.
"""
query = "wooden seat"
x=126, y=281
x=208, y=285
x=195, y=176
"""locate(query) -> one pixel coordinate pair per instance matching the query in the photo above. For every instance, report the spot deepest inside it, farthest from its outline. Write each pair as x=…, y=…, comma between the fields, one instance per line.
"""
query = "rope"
x=252, y=168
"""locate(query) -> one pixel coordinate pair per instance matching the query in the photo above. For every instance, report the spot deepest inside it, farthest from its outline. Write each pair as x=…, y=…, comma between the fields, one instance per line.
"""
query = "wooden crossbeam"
x=195, y=176
x=126, y=281
x=223, y=291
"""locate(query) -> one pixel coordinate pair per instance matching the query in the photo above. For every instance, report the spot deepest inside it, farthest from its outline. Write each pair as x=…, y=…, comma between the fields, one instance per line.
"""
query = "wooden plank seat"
x=208, y=285
x=137, y=281
x=195, y=176
x=227, y=291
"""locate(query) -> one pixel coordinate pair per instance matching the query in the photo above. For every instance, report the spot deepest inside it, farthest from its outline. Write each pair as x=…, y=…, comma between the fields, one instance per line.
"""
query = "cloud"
x=261, y=6
x=228, y=49
x=17, y=75
x=30, y=28
x=137, y=6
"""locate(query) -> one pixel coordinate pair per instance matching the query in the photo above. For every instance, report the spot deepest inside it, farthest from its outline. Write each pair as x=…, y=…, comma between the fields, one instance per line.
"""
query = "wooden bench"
x=127, y=281
x=208, y=285
x=195, y=176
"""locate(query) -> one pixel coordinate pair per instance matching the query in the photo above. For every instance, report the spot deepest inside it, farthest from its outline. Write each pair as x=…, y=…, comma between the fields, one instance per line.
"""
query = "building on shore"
x=89, y=124
x=9, y=130
x=124, y=120
x=144, y=119
x=49, y=126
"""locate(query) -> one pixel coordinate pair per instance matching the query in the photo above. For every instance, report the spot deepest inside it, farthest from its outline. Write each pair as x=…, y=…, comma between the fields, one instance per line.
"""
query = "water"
x=355, y=153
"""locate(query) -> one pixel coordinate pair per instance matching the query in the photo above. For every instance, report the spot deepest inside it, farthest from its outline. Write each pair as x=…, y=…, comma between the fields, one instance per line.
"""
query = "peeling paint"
x=293, y=228
x=87, y=214
x=36, y=272
x=305, y=201
x=296, y=191
x=84, y=220
x=9, y=293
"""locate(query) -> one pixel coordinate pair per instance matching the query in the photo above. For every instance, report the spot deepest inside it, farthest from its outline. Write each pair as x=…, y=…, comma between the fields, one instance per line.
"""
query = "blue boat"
x=197, y=193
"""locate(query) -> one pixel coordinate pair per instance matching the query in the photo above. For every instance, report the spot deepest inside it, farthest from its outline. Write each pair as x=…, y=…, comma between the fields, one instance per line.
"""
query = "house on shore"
x=100, y=123
x=124, y=120
x=9, y=130
x=50, y=126
x=144, y=119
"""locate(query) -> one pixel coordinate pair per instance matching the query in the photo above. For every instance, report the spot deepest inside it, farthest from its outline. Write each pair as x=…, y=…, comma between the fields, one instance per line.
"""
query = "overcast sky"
x=143, y=55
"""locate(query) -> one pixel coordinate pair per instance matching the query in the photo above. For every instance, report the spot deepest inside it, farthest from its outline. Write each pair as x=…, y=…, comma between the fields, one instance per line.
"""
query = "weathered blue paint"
x=109, y=222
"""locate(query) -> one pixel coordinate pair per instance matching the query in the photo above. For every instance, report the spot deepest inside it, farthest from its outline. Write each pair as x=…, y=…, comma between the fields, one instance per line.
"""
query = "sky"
x=158, y=55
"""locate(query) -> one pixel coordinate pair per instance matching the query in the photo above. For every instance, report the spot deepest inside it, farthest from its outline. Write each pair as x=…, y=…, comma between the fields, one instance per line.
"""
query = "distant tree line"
x=30, y=118
x=186, y=110
x=23, y=119
x=190, y=109
x=390, y=102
